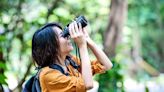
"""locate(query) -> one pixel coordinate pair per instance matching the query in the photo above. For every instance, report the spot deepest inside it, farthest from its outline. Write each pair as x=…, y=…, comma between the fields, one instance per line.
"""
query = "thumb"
x=85, y=30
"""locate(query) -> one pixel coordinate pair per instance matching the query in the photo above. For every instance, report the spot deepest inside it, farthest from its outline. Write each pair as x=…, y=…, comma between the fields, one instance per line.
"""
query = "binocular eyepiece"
x=80, y=19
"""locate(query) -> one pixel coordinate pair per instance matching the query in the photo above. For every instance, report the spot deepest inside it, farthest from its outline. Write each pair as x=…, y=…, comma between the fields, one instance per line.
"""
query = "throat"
x=64, y=67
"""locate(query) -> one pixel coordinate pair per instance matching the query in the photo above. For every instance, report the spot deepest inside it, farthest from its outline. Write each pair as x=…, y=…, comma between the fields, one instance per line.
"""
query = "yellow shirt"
x=52, y=80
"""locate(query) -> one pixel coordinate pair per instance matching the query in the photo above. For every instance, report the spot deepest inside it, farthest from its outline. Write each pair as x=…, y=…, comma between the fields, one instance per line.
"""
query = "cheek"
x=62, y=44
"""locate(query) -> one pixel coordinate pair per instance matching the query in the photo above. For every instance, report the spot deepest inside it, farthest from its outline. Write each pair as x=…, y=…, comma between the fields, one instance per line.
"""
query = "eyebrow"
x=60, y=33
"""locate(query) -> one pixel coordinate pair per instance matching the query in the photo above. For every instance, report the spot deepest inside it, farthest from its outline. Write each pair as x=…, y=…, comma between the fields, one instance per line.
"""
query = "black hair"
x=45, y=45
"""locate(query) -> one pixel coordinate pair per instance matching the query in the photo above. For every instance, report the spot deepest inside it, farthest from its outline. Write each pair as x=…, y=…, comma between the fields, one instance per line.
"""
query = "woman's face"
x=65, y=43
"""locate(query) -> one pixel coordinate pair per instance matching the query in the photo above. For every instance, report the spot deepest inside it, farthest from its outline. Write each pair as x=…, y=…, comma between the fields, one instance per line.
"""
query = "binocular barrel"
x=80, y=19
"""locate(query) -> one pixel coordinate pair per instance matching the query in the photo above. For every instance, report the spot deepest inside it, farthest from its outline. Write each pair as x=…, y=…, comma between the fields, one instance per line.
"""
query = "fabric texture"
x=52, y=80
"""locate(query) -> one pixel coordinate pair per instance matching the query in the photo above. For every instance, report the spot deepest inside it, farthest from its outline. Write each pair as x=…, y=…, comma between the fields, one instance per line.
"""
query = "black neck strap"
x=58, y=67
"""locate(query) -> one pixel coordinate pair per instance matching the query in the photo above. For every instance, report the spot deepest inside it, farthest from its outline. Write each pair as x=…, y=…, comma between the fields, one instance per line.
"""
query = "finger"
x=80, y=28
x=77, y=33
x=75, y=27
x=84, y=30
x=70, y=32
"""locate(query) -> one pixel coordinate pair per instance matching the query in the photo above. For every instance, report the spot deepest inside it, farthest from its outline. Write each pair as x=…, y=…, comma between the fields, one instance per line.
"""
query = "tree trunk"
x=117, y=16
x=112, y=37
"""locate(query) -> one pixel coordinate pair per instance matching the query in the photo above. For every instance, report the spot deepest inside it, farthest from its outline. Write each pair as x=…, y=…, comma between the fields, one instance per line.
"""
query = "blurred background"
x=131, y=32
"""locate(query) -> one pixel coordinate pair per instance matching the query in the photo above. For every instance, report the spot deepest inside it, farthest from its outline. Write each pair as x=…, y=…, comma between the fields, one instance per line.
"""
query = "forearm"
x=100, y=55
x=86, y=67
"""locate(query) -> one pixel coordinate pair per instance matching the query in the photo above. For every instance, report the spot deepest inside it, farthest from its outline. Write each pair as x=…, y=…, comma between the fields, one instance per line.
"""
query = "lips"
x=70, y=43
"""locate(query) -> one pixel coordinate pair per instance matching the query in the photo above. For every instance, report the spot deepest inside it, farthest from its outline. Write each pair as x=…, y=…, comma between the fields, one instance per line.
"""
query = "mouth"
x=70, y=44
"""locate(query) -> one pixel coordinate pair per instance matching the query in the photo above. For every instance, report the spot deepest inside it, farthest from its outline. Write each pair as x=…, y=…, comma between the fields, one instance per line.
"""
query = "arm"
x=100, y=55
x=78, y=36
x=86, y=67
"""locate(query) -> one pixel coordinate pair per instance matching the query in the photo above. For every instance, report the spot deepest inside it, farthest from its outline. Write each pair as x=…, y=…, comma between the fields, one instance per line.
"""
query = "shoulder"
x=49, y=74
x=54, y=80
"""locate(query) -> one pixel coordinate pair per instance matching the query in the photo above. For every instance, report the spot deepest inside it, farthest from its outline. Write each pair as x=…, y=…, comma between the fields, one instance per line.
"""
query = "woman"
x=49, y=47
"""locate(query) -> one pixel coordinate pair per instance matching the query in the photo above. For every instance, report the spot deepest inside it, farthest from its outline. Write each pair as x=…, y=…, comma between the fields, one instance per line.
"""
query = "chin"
x=70, y=49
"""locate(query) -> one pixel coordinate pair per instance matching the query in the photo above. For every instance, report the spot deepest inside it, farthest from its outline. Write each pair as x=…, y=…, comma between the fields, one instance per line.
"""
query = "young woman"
x=49, y=47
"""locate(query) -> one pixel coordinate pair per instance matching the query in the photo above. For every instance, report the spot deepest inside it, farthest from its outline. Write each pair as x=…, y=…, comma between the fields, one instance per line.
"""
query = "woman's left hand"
x=88, y=39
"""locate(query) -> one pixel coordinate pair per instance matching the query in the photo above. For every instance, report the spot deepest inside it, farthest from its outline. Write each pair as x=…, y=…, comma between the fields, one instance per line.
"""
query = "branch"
x=136, y=56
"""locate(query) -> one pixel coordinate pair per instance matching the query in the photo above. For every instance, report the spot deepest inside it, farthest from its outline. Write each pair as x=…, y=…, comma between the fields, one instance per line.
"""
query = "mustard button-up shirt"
x=52, y=80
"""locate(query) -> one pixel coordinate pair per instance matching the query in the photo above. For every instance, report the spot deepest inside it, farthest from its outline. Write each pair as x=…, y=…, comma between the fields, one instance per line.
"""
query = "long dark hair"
x=45, y=45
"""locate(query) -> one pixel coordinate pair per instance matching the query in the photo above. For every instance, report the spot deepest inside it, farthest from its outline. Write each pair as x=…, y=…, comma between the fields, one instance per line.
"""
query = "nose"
x=69, y=40
x=68, y=37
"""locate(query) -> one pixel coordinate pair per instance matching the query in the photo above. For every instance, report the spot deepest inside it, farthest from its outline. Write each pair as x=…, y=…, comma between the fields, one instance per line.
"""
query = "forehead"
x=58, y=30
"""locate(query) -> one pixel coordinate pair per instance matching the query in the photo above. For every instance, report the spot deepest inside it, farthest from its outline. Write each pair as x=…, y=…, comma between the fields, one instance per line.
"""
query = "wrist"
x=90, y=43
x=84, y=45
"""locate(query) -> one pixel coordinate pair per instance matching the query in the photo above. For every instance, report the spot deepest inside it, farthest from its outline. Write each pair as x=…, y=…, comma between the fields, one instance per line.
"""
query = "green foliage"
x=112, y=80
x=19, y=19
x=152, y=48
x=3, y=67
x=146, y=89
x=2, y=76
x=148, y=18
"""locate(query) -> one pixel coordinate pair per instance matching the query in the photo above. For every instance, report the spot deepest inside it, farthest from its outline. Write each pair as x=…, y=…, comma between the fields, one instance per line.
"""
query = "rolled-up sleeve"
x=62, y=83
x=97, y=67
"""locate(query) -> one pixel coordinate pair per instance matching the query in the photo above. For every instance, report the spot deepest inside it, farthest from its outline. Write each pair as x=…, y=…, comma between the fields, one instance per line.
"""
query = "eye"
x=68, y=37
x=60, y=35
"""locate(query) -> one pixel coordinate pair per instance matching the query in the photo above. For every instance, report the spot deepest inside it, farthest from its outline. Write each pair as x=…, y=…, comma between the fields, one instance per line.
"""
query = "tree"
x=117, y=16
x=21, y=18
x=112, y=39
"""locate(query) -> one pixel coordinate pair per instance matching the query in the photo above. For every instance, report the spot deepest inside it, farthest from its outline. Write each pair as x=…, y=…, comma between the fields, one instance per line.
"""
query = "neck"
x=62, y=59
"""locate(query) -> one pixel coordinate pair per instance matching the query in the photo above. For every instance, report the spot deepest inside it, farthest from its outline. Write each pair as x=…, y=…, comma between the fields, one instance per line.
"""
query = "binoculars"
x=80, y=19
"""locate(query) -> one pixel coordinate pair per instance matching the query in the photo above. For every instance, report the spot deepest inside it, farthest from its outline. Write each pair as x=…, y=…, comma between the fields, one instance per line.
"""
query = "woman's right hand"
x=79, y=37
x=77, y=34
